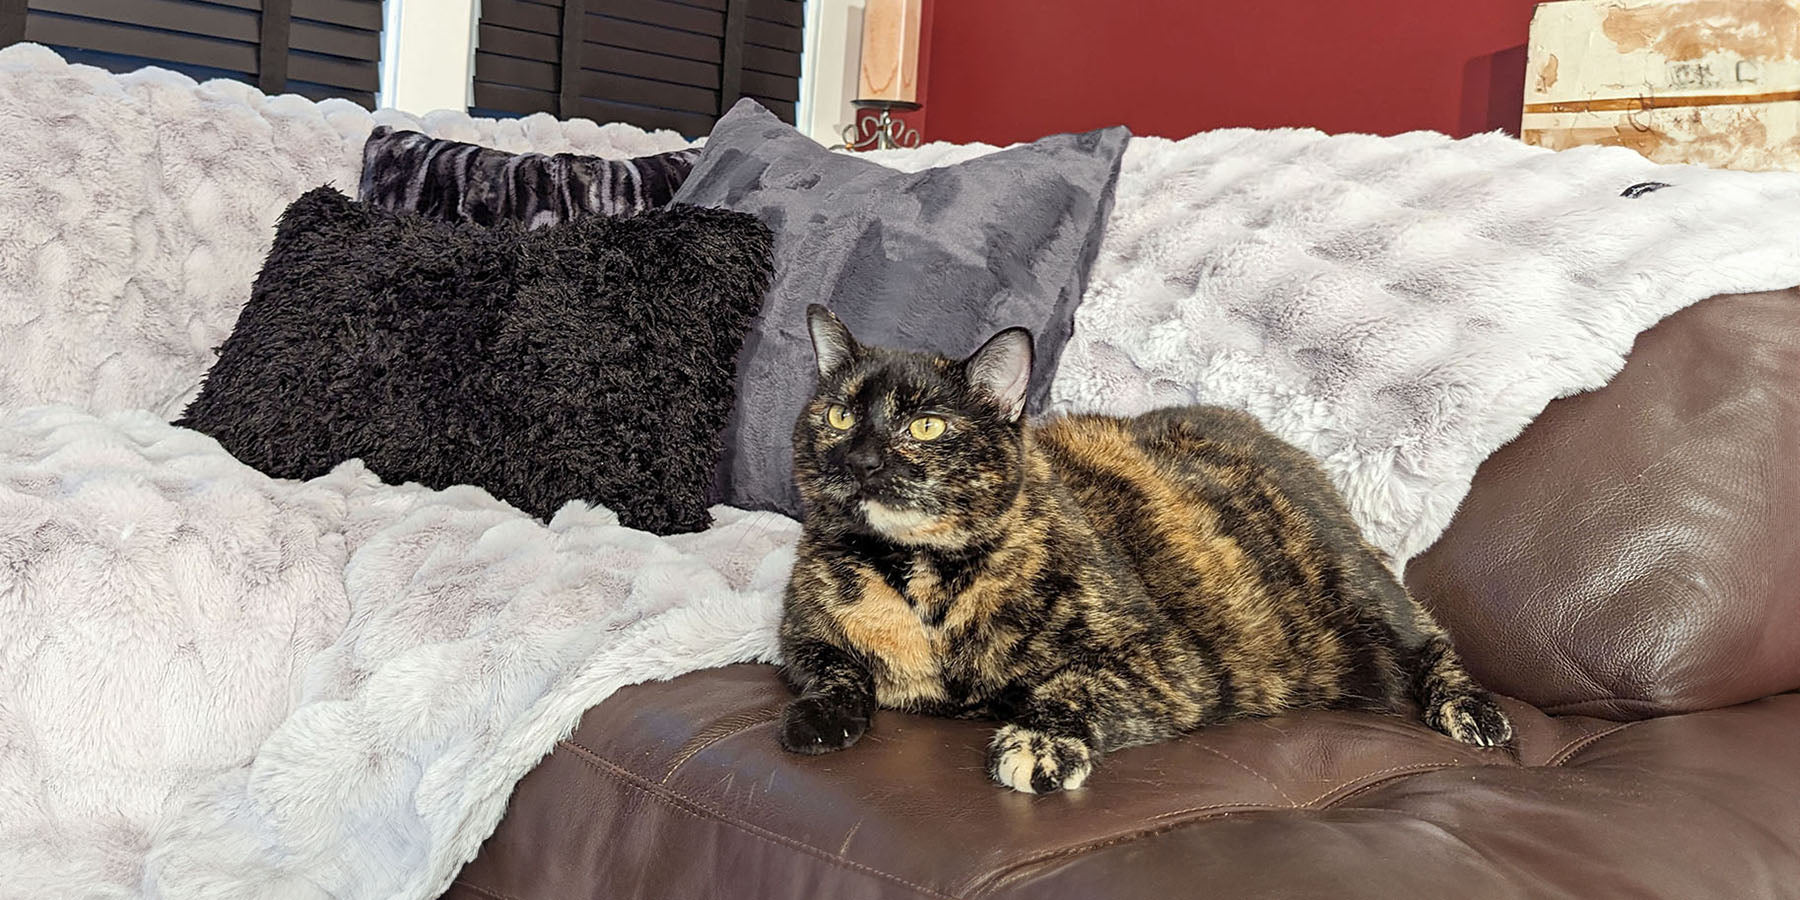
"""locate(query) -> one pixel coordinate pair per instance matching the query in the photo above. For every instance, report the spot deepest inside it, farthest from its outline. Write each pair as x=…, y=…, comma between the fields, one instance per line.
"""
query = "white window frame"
x=428, y=60
x=428, y=55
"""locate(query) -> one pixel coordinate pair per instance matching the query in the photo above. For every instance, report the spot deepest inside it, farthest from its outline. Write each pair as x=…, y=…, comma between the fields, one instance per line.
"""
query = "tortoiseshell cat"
x=1091, y=582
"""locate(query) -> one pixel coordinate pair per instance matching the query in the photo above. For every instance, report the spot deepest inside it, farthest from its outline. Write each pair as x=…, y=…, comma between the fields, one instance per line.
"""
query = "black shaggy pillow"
x=588, y=361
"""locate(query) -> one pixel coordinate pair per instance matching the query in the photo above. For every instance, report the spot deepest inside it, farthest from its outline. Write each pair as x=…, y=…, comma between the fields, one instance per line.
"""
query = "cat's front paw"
x=817, y=724
x=1038, y=763
x=1473, y=719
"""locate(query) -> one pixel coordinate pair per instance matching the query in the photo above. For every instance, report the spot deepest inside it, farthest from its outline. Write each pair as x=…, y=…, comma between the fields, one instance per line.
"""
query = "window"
x=318, y=48
x=675, y=64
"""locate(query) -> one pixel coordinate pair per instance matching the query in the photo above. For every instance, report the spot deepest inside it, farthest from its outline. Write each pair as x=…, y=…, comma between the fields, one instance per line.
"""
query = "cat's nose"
x=864, y=462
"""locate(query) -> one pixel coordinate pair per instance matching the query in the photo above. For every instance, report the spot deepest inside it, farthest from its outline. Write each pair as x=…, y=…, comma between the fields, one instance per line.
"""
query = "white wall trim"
x=428, y=60
x=390, y=52
x=428, y=55
x=833, y=50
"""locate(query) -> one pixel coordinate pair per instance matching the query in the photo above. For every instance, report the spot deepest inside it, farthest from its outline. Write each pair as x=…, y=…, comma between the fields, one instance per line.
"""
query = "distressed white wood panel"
x=1715, y=82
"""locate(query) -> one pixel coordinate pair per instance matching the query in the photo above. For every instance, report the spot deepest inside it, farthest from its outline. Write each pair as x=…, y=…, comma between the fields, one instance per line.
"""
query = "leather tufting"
x=678, y=790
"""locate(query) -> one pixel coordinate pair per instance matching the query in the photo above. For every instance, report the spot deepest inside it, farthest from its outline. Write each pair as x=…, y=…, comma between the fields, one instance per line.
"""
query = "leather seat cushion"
x=678, y=790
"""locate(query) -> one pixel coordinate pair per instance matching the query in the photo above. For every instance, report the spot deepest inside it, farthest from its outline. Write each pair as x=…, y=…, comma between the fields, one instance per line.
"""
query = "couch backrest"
x=1634, y=552
x=140, y=208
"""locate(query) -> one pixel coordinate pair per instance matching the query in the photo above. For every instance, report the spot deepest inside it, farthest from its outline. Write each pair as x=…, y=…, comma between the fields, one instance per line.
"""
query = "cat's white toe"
x=1034, y=762
x=1475, y=719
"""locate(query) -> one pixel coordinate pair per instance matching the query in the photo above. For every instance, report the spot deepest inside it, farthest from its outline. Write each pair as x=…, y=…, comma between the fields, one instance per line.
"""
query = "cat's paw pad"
x=1038, y=763
x=1473, y=719
x=814, y=724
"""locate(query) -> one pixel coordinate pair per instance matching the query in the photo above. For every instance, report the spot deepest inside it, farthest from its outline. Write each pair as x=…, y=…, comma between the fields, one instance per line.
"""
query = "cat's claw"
x=813, y=724
x=1473, y=719
x=1038, y=763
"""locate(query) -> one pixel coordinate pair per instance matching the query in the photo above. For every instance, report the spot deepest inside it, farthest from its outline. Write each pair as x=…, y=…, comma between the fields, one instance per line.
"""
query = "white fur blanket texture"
x=216, y=684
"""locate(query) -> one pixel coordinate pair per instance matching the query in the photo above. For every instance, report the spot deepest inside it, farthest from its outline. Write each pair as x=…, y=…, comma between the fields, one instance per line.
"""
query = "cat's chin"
x=903, y=525
x=895, y=521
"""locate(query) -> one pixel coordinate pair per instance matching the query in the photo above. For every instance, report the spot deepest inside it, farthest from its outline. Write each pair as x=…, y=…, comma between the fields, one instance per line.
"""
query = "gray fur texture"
x=934, y=260
x=455, y=181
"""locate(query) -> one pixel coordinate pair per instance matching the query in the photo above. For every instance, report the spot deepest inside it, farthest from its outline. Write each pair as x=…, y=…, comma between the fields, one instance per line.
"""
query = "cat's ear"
x=1002, y=369
x=832, y=344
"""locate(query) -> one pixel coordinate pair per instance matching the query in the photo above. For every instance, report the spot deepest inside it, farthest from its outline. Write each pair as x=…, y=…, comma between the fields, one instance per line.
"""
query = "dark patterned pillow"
x=589, y=361
x=457, y=182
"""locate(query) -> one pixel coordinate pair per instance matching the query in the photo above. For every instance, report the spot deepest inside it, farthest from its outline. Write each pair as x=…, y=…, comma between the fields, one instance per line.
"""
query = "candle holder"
x=883, y=131
x=887, y=76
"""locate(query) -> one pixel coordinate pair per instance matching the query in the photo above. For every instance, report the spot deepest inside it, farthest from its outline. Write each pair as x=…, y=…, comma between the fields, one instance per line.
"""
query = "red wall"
x=1010, y=70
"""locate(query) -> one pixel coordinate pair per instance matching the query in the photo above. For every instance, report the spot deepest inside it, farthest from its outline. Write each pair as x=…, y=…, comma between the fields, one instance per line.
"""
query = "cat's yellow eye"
x=838, y=417
x=926, y=428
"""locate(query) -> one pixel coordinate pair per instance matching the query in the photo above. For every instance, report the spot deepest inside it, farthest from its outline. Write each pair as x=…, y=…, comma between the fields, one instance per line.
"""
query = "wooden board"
x=655, y=63
x=1715, y=82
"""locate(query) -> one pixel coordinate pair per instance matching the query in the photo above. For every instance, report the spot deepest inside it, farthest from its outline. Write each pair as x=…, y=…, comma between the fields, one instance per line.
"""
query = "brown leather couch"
x=1628, y=568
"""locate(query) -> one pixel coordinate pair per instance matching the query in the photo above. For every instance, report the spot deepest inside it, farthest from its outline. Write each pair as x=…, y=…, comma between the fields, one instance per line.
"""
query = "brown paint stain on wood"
x=1714, y=143
x=1743, y=132
x=1648, y=143
x=1754, y=29
x=1546, y=78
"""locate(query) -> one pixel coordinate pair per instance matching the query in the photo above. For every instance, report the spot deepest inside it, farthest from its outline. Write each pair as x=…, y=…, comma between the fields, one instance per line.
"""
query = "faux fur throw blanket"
x=1400, y=307
x=217, y=684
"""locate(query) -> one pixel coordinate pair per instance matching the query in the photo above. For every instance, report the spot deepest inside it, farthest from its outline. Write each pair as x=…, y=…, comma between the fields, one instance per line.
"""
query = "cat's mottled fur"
x=1091, y=582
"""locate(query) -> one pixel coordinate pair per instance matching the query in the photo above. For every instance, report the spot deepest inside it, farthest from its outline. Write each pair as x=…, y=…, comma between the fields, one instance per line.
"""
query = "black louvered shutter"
x=318, y=48
x=652, y=63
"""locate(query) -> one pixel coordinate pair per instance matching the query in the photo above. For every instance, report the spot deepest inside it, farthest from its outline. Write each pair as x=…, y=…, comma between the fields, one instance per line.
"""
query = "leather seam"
x=492, y=895
x=1561, y=709
x=1259, y=776
x=995, y=880
x=682, y=758
x=1381, y=776
x=1582, y=743
x=1371, y=785
x=986, y=884
x=697, y=810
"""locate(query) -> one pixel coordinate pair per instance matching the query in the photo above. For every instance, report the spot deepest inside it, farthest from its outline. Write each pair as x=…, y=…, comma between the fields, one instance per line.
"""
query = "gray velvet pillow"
x=937, y=260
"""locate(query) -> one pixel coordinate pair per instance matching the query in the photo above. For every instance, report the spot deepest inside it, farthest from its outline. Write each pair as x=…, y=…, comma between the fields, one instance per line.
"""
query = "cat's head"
x=912, y=447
